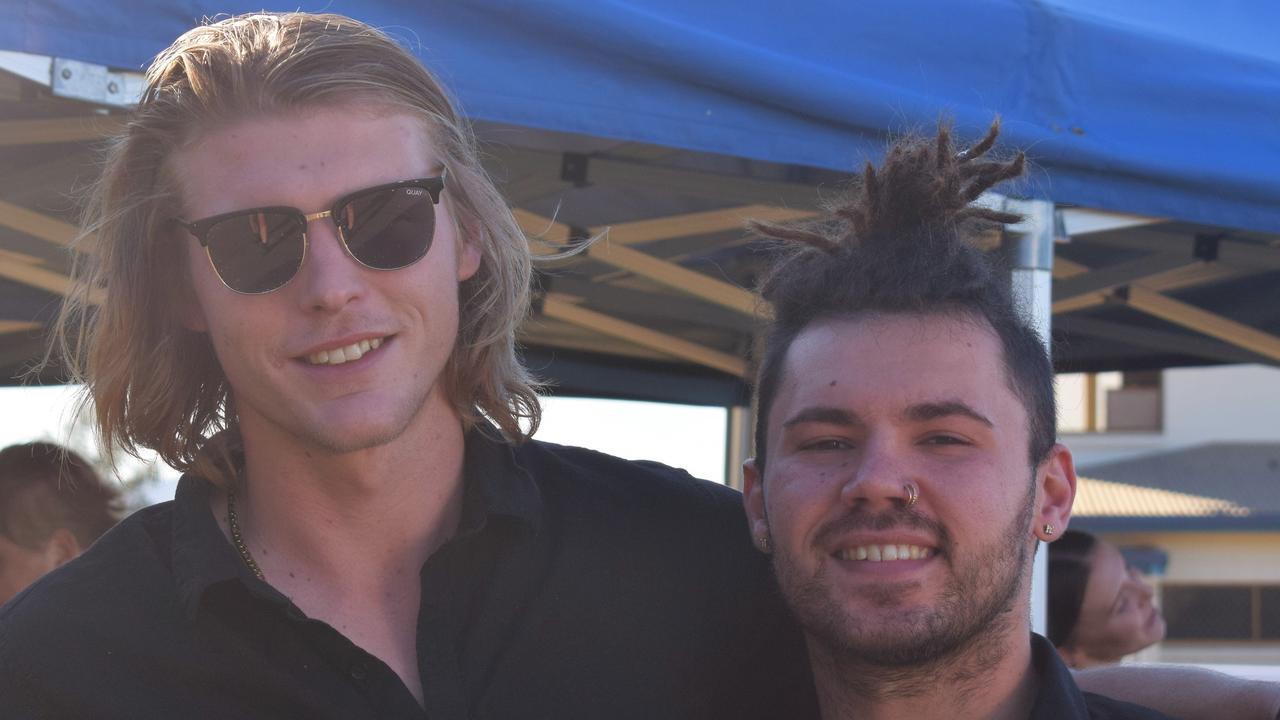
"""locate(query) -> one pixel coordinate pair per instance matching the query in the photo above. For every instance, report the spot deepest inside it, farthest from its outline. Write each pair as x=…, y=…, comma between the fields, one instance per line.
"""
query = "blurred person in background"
x=1100, y=608
x=53, y=505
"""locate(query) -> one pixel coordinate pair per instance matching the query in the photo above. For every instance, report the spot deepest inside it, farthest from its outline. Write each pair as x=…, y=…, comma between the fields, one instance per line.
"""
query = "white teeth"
x=337, y=356
x=885, y=553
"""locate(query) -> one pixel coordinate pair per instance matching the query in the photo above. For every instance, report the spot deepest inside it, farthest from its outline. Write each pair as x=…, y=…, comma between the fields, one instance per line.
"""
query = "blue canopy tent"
x=1167, y=111
x=670, y=121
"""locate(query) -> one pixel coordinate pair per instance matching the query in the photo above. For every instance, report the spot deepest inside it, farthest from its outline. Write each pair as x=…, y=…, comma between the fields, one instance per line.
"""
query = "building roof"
x=1218, y=486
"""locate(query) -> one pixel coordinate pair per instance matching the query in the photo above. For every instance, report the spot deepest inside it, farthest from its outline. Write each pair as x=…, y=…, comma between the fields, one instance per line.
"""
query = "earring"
x=913, y=494
x=1048, y=529
x=765, y=545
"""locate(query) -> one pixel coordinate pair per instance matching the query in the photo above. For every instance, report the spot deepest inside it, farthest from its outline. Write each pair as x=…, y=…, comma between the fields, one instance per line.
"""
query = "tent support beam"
x=37, y=225
x=676, y=277
x=1170, y=342
x=16, y=326
x=76, y=128
x=660, y=271
x=1113, y=276
x=559, y=308
x=1202, y=321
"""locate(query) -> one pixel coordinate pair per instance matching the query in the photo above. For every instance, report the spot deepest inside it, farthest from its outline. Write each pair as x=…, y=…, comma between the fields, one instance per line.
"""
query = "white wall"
x=1230, y=403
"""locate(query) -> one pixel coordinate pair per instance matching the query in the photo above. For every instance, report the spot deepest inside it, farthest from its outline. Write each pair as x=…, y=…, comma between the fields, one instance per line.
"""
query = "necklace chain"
x=237, y=539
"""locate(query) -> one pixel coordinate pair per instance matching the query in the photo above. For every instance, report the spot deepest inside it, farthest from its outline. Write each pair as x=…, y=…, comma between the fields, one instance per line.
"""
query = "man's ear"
x=61, y=548
x=753, y=503
x=1057, y=480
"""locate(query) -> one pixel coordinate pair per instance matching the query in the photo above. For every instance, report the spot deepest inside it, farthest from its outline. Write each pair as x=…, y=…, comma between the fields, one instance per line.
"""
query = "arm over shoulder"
x=1186, y=692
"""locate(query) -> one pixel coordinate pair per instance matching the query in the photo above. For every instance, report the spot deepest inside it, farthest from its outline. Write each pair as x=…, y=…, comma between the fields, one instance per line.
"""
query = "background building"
x=1182, y=471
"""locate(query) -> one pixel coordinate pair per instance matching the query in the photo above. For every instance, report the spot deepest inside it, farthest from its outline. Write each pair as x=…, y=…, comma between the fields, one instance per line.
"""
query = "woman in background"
x=1100, y=609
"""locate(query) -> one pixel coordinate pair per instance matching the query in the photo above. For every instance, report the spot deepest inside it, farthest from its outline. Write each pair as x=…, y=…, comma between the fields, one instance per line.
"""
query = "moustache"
x=854, y=520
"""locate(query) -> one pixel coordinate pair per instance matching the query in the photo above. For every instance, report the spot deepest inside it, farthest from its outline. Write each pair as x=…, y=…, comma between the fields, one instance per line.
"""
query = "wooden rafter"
x=562, y=309
x=656, y=269
x=1075, y=279
x=699, y=223
x=1113, y=276
x=676, y=277
x=29, y=271
x=16, y=326
x=1141, y=297
x=1203, y=321
x=38, y=225
x=59, y=130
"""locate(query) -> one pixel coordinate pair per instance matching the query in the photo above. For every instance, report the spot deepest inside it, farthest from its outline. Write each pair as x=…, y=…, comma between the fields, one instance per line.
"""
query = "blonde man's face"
x=278, y=350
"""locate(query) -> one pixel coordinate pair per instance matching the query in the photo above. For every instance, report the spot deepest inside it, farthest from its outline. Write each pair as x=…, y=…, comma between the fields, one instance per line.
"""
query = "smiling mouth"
x=349, y=353
x=885, y=553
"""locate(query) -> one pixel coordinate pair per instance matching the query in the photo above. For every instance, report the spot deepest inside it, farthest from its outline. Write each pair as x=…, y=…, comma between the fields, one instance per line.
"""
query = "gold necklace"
x=237, y=539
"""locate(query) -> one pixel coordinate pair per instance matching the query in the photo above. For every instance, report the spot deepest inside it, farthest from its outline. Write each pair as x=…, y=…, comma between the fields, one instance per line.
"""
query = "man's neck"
x=351, y=519
x=991, y=678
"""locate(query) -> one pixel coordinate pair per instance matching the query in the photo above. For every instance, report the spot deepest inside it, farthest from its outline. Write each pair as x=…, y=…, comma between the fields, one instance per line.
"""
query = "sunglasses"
x=258, y=250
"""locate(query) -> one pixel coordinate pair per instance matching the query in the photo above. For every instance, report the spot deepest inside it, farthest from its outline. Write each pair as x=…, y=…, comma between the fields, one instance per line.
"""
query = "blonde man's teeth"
x=337, y=356
x=885, y=553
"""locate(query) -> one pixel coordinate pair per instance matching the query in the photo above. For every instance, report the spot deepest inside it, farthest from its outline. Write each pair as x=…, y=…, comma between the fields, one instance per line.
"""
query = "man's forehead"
x=879, y=340
x=899, y=359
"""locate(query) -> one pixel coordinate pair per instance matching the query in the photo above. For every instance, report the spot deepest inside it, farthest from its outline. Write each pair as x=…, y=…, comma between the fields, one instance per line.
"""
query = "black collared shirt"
x=1060, y=699
x=577, y=586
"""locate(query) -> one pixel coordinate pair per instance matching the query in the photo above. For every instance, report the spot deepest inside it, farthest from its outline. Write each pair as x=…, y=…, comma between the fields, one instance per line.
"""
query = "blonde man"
x=309, y=296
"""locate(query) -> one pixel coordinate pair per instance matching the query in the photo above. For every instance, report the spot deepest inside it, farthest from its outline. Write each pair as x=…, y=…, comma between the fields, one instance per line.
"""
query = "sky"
x=685, y=436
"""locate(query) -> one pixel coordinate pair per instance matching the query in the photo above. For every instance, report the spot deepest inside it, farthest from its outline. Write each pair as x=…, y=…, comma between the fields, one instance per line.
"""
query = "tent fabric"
x=1170, y=113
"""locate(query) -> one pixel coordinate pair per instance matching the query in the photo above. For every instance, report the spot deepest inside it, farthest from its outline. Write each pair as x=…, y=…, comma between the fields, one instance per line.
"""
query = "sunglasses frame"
x=200, y=228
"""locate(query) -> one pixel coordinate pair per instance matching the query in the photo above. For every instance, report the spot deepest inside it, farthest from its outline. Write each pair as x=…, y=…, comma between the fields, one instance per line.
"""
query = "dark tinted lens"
x=389, y=229
x=257, y=251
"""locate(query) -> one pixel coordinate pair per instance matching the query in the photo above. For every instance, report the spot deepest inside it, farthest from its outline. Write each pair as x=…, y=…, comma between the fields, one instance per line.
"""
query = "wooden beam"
x=37, y=225
x=546, y=236
x=77, y=128
x=37, y=277
x=561, y=309
x=1125, y=273
x=15, y=326
x=658, y=270
x=42, y=278
x=1203, y=321
x=1161, y=340
x=699, y=223
x=677, y=277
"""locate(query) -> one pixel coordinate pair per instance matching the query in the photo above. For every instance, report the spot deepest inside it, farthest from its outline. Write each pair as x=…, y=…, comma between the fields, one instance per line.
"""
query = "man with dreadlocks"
x=906, y=464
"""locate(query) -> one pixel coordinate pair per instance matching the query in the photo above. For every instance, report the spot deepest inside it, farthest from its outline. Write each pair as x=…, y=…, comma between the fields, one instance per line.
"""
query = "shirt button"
x=359, y=671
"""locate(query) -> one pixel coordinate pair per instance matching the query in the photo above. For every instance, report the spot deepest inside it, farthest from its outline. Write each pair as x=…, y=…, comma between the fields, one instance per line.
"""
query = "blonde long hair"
x=153, y=383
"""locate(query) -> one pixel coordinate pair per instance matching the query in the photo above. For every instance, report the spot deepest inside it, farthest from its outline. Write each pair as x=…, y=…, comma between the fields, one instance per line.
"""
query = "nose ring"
x=913, y=494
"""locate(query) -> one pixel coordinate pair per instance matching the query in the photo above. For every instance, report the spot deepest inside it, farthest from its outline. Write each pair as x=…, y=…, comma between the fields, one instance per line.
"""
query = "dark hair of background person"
x=1069, y=569
x=903, y=241
x=44, y=487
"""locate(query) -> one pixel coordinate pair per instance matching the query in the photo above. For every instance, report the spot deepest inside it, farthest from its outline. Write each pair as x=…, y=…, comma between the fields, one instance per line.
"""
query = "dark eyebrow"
x=823, y=414
x=925, y=412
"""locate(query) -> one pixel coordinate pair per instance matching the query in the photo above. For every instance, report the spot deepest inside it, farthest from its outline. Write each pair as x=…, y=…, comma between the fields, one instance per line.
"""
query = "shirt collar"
x=494, y=487
x=495, y=484
x=202, y=557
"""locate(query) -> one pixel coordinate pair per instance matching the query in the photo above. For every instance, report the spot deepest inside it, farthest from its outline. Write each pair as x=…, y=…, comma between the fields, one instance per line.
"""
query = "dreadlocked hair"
x=903, y=241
